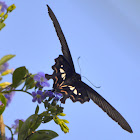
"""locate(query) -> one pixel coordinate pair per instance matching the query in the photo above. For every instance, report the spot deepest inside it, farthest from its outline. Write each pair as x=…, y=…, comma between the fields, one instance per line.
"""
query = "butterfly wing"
x=64, y=45
x=106, y=107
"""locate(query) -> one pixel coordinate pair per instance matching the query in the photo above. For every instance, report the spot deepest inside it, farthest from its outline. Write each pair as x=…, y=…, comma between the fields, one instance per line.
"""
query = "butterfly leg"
x=48, y=76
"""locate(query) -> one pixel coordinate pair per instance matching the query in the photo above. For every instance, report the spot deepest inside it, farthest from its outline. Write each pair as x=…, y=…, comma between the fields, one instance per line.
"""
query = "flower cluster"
x=39, y=96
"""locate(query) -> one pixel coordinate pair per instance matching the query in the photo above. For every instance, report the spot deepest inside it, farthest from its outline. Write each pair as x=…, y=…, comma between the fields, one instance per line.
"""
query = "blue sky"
x=105, y=34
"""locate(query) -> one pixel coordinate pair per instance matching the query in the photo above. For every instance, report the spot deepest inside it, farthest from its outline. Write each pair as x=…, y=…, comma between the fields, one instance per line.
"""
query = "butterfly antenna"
x=91, y=83
x=79, y=64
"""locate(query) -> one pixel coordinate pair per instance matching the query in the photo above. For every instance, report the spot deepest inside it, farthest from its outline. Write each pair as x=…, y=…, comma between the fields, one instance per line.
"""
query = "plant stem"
x=2, y=128
x=22, y=91
x=16, y=90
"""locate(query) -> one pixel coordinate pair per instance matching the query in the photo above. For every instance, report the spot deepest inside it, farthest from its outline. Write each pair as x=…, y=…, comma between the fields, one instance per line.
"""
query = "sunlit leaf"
x=6, y=58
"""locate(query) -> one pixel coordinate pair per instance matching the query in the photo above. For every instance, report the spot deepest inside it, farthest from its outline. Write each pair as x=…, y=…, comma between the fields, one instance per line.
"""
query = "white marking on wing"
x=75, y=91
x=63, y=76
x=71, y=87
x=79, y=93
x=61, y=70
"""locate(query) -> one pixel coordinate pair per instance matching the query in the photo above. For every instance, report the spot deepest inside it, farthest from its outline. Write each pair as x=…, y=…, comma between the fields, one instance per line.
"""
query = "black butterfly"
x=68, y=82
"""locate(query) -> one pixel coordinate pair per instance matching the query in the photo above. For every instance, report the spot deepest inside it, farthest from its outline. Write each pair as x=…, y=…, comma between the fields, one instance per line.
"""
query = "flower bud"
x=62, y=114
x=1, y=14
x=65, y=121
x=5, y=16
x=7, y=72
x=11, y=8
x=5, y=84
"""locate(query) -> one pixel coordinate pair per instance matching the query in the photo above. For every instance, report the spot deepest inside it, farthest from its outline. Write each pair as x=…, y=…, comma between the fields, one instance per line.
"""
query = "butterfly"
x=69, y=84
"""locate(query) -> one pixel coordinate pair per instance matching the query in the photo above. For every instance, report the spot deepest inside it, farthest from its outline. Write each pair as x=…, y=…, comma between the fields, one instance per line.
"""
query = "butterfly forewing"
x=64, y=45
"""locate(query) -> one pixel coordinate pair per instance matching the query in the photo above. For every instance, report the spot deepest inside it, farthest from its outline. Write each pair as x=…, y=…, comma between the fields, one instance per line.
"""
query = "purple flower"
x=4, y=67
x=16, y=125
x=9, y=97
x=50, y=94
x=41, y=80
x=57, y=96
x=3, y=6
x=39, y=96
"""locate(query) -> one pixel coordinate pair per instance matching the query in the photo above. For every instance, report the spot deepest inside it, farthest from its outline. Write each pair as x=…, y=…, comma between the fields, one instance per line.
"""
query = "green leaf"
x=3, y=100
x=2, y=25
x=43, y=135
x=37, y=109
x=30, y=125
x=47, y=118
x=20, y=124
x=29, y=83
x=18, y=76
x=6, y=58
x=19, y=128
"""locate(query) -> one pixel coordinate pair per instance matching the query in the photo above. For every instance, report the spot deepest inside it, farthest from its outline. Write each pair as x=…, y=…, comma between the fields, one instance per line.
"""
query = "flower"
x=9, y=97
x=39, y=96
x=4, y=67
x=57, y=96
x=41, y=80
x=16, y=125
x=3, y=6
x=50, y=94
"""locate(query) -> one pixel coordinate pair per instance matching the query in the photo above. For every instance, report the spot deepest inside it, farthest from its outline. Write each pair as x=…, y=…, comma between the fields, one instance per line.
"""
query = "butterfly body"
x=68, y=82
